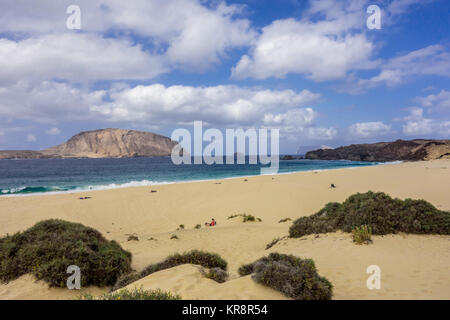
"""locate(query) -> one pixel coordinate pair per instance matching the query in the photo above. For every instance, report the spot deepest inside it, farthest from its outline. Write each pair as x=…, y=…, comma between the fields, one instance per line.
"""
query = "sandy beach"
x=412, y=266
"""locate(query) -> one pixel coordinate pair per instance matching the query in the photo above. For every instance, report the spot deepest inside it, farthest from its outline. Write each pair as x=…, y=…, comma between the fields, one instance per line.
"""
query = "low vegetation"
x=273, y=242
x=295, y=277
x=246, y=269
x=198, y=226
x=135, y=294
x=284, y=220
x=174, y=236
x=379, y=212
x=202, y=258
x=133, y=237
x=362, y=235
x=49, y=247
x=245, y=217
x=217, y=274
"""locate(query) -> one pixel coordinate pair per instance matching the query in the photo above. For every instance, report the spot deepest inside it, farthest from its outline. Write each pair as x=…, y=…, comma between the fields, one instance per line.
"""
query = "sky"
x=312, y=69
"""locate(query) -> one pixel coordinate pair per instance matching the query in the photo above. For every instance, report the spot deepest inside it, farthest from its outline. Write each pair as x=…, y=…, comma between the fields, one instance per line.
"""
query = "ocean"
x=36, y=176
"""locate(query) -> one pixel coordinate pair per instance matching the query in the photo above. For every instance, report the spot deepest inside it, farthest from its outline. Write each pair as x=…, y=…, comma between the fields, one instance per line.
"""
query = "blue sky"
x=309, y=68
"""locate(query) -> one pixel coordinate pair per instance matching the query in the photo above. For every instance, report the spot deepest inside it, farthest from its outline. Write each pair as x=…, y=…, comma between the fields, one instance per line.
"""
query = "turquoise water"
x=18, y=177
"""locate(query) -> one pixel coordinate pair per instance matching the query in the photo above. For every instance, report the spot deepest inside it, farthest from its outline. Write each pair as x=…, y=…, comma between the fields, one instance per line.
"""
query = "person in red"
x=212, y=224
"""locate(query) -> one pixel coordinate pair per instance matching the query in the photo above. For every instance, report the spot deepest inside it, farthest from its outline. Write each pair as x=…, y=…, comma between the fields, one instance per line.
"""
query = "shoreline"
x=126, y=184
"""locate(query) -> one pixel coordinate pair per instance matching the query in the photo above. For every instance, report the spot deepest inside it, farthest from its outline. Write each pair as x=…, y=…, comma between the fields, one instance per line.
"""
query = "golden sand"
x=412, y=266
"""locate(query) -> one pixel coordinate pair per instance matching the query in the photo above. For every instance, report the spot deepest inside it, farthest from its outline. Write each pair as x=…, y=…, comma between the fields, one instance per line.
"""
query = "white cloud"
x=47, y=101
x=433, y=60
x=439, y=103
x=157, y=105
x=293, y=117
x=298, y=124
x=219, y=105
x=76, y=58
x=322, y=133
x=398, y=7
x=324, y=50
x=417, y=125
x=53, y=131
x=31, y=138
x=369, y=129
x=188, y=33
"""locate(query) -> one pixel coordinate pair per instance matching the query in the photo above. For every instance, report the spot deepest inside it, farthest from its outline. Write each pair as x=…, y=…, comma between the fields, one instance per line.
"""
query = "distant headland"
x=413, y=150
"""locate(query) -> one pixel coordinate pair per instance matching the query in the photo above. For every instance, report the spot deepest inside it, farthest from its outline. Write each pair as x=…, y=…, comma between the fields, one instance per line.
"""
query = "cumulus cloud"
x=47, y=101
x=296, y=124
x=439, y=103
x=416, y=124
x=433, y=60
x=369, y=129
x=218, y=105
x=188, y=33
x=321, y=50
x=158, y=105
x=76, y=58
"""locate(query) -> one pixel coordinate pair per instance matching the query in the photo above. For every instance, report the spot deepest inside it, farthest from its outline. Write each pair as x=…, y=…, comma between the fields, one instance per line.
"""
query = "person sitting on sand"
x=212, y=224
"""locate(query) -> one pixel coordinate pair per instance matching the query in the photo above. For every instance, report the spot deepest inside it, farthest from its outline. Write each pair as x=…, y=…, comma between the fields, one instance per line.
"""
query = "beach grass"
x=362, y=235
x=134, y=294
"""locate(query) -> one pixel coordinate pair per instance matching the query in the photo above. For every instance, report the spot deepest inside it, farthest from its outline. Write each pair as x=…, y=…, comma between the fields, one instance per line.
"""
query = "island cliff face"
x=104, y=143
x=414, y=150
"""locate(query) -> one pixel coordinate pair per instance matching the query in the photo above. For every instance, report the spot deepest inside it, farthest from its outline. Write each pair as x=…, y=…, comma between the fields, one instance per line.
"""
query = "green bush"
x=205, y=259
x=50, y=246
x=202, y=258
x=217, y=274
x=380, y=212
x=296, y=278
x=135, y=294
x=362, y=235
x=245, y=269
x=245, y=217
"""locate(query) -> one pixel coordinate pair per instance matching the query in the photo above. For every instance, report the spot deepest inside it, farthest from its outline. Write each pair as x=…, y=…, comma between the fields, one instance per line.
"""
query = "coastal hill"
x=103, y=143
x=414, y=150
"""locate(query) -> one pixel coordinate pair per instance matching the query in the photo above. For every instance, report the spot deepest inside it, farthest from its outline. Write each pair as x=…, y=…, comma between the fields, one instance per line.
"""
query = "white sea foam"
x=13, y=192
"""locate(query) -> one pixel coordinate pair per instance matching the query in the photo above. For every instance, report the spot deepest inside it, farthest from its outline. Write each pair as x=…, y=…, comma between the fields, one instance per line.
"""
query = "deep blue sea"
x=19, y=177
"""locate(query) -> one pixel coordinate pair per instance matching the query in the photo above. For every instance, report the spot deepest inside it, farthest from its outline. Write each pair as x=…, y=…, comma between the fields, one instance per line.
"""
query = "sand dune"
x=413, y=266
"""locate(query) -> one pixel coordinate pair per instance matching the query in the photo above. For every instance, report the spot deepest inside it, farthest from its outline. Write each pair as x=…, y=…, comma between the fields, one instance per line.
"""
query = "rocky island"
x=103, y=143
